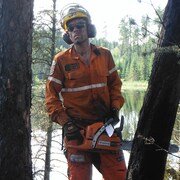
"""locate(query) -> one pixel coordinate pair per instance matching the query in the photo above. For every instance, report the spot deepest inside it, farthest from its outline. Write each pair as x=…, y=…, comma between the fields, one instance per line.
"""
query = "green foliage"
x=136, y=46
x=39, y=117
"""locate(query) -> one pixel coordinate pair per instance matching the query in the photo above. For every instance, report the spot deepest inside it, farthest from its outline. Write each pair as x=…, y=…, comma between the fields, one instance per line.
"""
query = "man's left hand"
x=114, y=115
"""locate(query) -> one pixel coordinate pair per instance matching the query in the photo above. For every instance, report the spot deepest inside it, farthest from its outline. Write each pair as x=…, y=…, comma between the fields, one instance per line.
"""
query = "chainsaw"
x=95, y=138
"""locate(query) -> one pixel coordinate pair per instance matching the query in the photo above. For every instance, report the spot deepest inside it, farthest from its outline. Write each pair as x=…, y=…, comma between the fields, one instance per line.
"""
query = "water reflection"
x=130, y=111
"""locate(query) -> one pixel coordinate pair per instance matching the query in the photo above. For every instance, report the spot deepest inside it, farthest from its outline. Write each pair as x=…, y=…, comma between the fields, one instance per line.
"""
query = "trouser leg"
x=113, y=166
x=79, y=164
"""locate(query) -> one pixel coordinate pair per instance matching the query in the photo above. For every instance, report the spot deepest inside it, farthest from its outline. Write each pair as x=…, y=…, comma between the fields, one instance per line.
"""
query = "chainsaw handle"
x=121, y=123
x=108, y=122
x=111, y=121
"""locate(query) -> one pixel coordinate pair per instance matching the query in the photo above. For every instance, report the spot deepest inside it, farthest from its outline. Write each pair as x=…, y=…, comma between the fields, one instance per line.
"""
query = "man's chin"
x=77, y=42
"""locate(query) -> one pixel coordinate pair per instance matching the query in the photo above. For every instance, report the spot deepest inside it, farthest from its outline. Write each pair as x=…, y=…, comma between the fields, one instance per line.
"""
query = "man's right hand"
x=71, y=131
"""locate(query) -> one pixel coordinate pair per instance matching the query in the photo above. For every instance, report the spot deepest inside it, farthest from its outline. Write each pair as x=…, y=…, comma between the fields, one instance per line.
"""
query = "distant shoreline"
x=134, y=85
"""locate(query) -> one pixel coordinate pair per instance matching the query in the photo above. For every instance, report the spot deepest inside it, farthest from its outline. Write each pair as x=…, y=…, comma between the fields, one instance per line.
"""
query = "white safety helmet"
x=73, y=11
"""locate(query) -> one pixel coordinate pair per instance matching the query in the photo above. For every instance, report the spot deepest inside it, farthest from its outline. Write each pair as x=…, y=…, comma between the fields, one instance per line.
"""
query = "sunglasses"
x=79, y=25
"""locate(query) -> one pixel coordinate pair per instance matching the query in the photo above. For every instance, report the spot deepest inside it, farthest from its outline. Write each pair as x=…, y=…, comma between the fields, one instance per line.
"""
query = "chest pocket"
x=72, y=71
x=102, y=72
x=103, y=76
x=75, y=75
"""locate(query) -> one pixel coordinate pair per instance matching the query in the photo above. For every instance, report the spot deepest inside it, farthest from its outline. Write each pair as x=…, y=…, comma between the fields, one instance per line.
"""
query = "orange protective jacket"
x=80, y=91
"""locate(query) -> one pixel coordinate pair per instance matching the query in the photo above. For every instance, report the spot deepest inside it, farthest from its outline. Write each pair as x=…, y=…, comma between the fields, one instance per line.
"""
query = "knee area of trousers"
x=78, y=158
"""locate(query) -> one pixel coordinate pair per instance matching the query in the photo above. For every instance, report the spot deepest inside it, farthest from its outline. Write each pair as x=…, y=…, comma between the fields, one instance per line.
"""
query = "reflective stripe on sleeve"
x=112, y=70
x=92, y=86
x=55, y=80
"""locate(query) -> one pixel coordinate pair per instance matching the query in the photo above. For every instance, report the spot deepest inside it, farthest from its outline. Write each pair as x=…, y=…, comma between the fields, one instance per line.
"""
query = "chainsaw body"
x=95, y=141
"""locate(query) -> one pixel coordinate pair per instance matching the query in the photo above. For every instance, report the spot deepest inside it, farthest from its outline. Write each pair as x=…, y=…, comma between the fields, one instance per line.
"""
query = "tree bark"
x=158, y=113
x=50, y=125
x=15, y=89
x=47, y=168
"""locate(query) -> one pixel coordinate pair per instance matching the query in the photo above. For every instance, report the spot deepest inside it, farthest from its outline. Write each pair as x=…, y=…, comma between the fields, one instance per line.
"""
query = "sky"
x=108, y=12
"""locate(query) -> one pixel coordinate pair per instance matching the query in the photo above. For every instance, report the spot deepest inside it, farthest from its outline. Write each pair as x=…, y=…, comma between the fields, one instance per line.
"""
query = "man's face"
x=77, y=30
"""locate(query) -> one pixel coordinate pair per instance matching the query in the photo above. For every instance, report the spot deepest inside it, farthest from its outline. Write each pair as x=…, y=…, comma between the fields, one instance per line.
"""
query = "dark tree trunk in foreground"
x=157, y=116
x=15, y=89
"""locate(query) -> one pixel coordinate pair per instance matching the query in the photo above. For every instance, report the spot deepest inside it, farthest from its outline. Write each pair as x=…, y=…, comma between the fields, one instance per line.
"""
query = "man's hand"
x=114, y=114
x=71, y=131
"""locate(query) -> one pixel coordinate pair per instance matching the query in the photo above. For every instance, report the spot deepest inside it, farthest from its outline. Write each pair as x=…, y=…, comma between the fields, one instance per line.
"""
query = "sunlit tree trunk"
x=50, y=129
x=15, y=89
x=158, y=113
x=48, y=152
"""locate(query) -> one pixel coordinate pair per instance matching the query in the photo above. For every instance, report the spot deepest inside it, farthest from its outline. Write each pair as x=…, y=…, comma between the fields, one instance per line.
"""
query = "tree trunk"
x=15, y=89
x=48, y=152
x=158, y=113
x=50, y=126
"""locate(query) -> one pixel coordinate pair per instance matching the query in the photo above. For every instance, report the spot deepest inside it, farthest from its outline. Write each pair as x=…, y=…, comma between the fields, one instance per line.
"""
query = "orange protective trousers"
x=110, y=165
